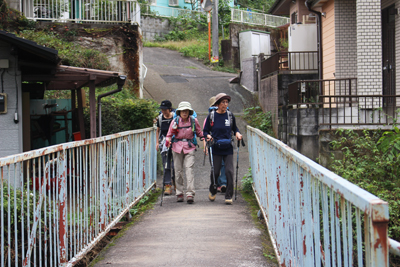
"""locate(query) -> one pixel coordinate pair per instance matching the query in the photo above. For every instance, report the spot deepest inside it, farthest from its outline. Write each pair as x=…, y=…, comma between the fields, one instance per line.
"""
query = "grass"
x=268, y=249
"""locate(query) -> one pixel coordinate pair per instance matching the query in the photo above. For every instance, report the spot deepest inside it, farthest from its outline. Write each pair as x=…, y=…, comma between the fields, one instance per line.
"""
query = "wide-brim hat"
x=183, y=106
x=166, y=104
x=220, y=97
x=211, y=101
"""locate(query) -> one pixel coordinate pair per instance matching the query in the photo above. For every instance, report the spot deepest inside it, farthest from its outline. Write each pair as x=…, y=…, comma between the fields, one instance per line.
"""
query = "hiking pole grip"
x=243, y=144
x=238, y=143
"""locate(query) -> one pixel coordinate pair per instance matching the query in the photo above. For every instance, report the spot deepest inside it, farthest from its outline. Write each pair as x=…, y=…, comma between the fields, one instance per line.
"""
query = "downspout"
x=319, y=34
x=120, y=83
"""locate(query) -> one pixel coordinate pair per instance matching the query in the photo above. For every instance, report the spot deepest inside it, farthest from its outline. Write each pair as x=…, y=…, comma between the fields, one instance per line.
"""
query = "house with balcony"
x=356, y=84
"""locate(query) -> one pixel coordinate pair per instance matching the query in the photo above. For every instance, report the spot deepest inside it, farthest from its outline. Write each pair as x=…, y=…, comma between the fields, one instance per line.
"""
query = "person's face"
x=165, y=111
x=223, y=105
x=185, y=114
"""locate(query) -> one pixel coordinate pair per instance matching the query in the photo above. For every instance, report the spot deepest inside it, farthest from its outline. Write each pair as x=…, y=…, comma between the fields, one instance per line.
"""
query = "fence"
x=59, y=201
x=169, y=11
x=295, y=62
x=88, y=11
x=316, y=218
x=341, y=105
x=254, y=18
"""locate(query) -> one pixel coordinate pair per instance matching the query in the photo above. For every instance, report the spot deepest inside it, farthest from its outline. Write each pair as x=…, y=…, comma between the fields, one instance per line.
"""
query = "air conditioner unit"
x=174, y=2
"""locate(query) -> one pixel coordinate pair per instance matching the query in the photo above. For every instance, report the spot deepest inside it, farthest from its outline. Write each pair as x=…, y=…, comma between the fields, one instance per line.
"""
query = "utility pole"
x=215, y=38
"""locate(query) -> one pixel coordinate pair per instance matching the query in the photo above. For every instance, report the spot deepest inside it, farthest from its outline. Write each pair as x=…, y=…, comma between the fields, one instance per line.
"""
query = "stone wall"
x=268, y=97
x=154, y=27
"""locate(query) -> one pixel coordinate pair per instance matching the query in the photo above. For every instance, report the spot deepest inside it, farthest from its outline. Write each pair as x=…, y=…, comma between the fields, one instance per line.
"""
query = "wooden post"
x=80, y=114
x=92, y=103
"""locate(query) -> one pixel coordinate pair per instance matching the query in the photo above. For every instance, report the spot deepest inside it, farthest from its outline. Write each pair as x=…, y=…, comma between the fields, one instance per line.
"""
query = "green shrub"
x=119, y=115
x=371, y=161
x=71, y=54
x=247, y=182
x=256, y=118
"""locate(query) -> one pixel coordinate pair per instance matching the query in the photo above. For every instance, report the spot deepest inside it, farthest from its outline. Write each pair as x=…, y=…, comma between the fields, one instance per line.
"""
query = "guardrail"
x=163, y=11
x=58, y=202
x=255, y=18
x=88, y=11
x=315, y=217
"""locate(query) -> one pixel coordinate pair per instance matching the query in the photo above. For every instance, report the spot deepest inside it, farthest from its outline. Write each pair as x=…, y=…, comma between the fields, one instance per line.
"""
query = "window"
x=294, y=17
x=174, y=2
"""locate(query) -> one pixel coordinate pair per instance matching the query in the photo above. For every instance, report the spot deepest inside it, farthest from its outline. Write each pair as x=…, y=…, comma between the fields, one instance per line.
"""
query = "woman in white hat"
x=183, y=128
x=219, y=127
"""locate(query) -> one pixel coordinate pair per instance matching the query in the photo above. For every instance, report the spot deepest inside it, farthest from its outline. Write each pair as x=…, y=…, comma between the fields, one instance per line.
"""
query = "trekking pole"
x=212, y=165
x=237, y=165
x=163, y=182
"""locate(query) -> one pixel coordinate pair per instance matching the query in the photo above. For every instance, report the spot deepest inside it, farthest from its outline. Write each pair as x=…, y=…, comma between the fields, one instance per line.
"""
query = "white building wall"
x=345, y=39
x=369, y=47
x=10, y=132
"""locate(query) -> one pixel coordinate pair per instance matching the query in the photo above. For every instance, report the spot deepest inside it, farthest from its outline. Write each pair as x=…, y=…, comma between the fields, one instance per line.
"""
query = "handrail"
x=61, y=200
x=312, y=213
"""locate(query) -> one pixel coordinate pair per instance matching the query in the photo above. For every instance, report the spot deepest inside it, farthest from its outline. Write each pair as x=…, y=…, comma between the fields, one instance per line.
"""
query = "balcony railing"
x=254, y=18
x=292, y=62
x=341, y=105
x=163, y=11
x=88, y=11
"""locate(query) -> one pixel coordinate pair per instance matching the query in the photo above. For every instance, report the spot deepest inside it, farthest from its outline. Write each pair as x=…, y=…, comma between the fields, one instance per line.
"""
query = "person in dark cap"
x=163, y=122
x=219, y=126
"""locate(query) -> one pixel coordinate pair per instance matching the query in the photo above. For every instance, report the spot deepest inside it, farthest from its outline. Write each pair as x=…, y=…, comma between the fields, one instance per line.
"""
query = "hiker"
x=184, y=127
x=218, y=128
x=163, y=122
x=221, y=181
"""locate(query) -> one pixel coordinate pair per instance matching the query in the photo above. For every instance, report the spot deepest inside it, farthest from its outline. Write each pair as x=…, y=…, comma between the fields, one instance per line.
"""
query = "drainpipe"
x=120, y=83
x=319, y=34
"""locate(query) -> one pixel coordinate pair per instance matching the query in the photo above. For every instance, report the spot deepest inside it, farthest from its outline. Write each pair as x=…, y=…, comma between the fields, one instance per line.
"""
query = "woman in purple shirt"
x=183, y=148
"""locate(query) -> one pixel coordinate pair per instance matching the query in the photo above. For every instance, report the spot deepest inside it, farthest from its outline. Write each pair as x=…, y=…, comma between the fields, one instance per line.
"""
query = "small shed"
x=252, y=43
x=26, y=71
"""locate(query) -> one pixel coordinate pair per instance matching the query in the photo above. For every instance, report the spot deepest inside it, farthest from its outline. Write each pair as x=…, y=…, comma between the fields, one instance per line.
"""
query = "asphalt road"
x=203, y=233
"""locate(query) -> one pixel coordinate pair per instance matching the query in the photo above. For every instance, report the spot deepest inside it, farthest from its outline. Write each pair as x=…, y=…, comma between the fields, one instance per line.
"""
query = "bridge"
x=58, y=202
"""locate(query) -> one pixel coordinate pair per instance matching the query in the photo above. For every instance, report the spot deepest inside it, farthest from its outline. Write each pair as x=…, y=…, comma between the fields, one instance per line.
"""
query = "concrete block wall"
x=11, y=132
x=345, y=39
x=249, y=74
x=369, y=46
x=153, y=27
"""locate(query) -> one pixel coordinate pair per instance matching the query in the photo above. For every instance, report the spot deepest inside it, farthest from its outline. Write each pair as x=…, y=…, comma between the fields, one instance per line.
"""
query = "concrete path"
x=203, y=233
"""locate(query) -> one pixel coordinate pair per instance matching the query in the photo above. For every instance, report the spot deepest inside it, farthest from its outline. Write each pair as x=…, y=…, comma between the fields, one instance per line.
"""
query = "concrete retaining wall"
x=154, y=27
x=249, y=74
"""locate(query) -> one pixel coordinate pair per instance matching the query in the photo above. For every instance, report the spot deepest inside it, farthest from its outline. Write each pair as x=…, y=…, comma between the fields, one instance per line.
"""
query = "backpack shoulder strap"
x=230, y=117
x=212, y=117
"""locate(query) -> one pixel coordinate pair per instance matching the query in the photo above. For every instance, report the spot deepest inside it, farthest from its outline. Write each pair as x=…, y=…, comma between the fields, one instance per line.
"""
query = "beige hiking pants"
x=184, y=161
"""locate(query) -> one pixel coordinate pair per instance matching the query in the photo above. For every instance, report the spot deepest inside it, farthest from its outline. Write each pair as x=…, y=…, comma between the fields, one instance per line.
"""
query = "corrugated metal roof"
x=30, y=47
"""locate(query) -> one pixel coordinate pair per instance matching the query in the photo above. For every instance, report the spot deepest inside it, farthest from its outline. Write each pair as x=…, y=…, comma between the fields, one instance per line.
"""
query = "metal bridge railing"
x=88, y=11
x=59, y=201
x=315, y=217
x=254, y=18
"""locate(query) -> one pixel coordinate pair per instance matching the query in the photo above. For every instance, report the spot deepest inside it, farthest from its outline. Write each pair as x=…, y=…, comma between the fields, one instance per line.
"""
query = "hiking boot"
x=167, y=190
x=190, y=199
x=223, y=188
x=228, y=201
x=179, y=198
x=211, y=197
x=218, y=189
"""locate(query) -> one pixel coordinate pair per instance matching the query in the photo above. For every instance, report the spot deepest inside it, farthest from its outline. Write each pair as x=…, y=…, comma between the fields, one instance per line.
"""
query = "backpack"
x=230, y=117
x=160, y=120
x=192, y=125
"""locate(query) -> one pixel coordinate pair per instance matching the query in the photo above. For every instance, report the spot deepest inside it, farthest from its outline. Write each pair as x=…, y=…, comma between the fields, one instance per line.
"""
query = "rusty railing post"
x=62, y=207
